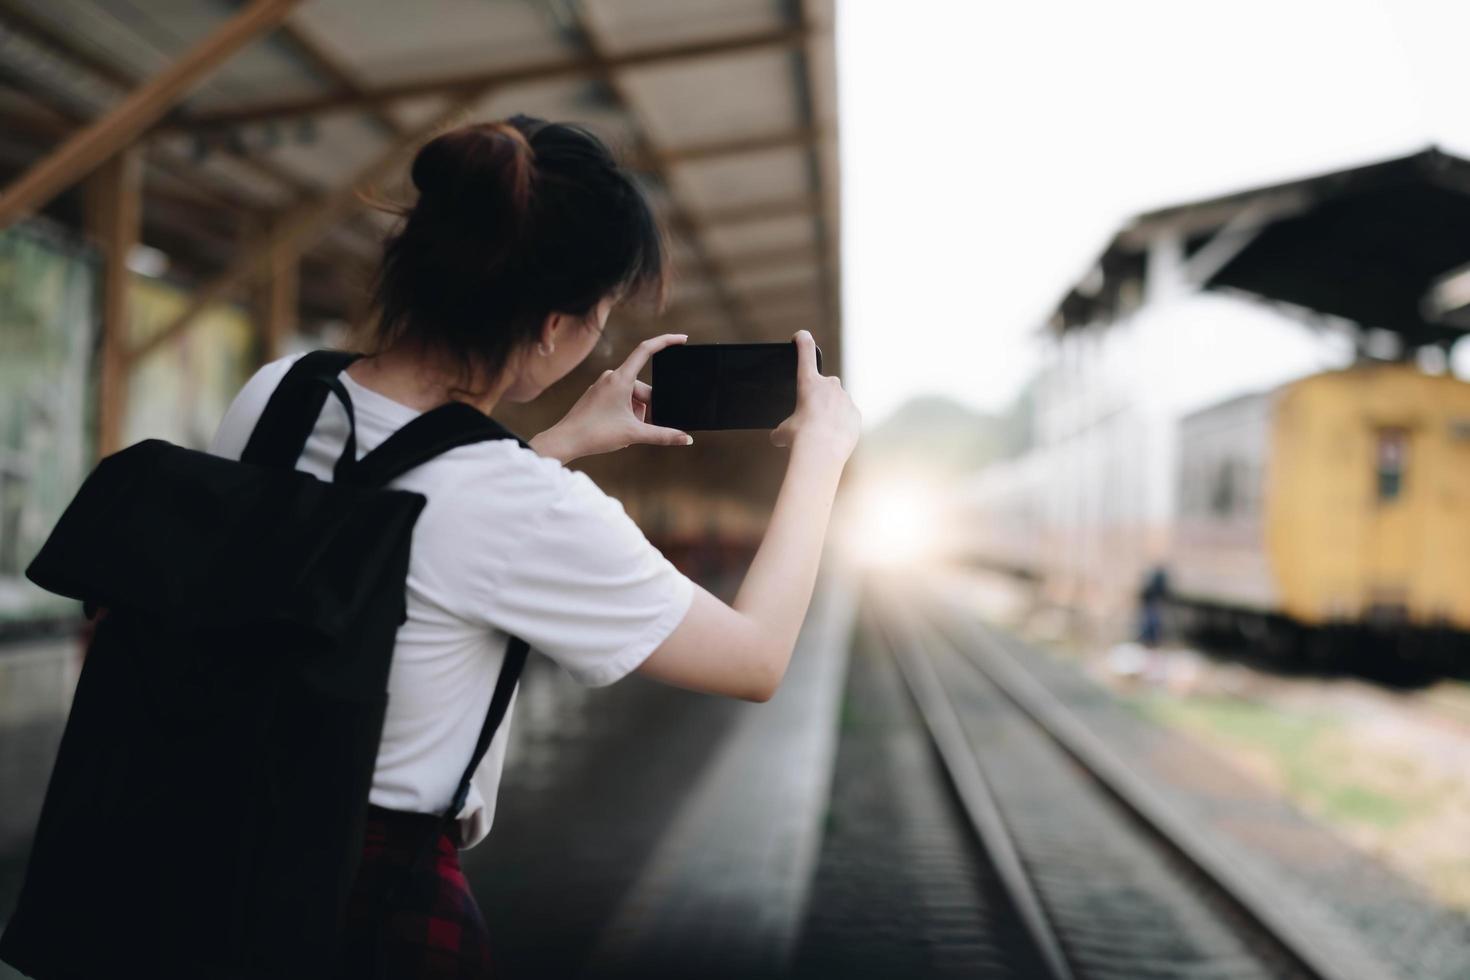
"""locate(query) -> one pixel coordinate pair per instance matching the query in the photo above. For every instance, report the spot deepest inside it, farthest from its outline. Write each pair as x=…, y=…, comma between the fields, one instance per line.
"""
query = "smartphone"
x=725, y=386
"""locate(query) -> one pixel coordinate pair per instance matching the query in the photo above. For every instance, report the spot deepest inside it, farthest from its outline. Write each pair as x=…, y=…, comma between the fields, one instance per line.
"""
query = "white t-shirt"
x=510, y=542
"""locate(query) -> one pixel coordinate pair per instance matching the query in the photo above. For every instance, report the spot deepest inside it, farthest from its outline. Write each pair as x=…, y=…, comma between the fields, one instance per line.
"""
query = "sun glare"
x=891, y=524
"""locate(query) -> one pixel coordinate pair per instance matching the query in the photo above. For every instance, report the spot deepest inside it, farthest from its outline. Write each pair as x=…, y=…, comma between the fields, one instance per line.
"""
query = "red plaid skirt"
x=411, y=913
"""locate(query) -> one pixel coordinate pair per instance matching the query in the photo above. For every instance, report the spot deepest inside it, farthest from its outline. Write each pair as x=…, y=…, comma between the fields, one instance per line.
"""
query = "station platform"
x=37, y=677
x=835, y=831
x=636, y=825
x=651, y=831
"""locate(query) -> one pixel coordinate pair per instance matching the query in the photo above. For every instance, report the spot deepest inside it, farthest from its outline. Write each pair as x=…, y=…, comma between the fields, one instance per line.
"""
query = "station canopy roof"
x=1385, y=246
x=725, y=108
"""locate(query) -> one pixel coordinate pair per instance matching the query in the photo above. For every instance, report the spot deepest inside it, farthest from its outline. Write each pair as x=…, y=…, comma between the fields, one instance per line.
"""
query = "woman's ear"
x=551, y=329
x=547, y=337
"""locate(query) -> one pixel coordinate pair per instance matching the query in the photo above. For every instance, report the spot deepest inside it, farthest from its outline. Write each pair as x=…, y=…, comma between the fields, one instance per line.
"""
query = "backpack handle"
x=348, y=460
x=293, y=408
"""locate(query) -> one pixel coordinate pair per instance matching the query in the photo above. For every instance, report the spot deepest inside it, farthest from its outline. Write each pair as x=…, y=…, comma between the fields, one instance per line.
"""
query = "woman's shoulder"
x=505, y=507
x=505, y=458
x=274, y=370
x=263, y=381
x=504, y=475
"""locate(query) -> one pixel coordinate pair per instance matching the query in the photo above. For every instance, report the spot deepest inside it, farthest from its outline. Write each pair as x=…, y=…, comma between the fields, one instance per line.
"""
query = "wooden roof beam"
x=804, y=205
x=771, y=258
x=187, y=198
x=298, y=228
x=451, y=84
x=144, y=106
x=51, y=122
x=699, y=307
x=37, y=32
x=783, y=292
x=694, y=152
x=745, y=144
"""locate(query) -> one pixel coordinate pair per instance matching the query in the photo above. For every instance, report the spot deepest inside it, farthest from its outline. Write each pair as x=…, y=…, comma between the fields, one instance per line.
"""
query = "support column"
x=275, y=289
x=278, y=298
x=114, y=217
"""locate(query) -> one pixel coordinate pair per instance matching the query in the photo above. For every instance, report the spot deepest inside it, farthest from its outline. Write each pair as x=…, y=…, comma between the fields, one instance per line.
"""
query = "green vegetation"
x=1303, y=753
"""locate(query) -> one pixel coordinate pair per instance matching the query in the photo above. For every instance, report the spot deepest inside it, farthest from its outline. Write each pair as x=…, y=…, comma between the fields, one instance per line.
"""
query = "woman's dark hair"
x=515, y=219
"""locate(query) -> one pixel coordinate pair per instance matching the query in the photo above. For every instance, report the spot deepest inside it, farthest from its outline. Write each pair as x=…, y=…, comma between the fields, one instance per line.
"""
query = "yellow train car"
x=1338, y=500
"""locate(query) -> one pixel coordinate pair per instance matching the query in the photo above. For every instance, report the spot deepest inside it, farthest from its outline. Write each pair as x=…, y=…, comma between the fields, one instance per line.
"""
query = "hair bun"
x=483, y=171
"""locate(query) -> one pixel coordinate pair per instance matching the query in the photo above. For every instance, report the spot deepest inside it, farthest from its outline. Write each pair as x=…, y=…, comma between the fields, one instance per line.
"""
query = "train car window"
x=1225, y=494
x=1393, y=449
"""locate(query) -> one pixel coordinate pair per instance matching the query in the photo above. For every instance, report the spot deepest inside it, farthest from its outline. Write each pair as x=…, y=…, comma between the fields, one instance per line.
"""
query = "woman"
x=524, y=236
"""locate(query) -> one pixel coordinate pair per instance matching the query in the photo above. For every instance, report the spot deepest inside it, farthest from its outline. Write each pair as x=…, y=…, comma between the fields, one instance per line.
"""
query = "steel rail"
x=1319, y=946
x=973, y=789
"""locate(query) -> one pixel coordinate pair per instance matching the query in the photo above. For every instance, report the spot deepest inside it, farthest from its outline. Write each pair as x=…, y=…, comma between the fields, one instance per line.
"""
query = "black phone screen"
x=725, y=386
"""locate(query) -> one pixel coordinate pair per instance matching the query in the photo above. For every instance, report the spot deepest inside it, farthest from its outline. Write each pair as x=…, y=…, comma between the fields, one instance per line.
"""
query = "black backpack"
x=205, y=815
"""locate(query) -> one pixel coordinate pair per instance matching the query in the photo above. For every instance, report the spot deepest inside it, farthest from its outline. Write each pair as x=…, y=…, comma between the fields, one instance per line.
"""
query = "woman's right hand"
x=825, y=418
x=612, y=413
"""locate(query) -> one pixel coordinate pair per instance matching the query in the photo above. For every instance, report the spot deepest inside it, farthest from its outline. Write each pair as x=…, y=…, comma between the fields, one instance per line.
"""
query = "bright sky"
x=989, y=151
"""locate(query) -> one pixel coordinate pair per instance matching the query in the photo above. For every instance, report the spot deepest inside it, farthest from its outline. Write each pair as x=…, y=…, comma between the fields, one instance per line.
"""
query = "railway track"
x=1107, y=880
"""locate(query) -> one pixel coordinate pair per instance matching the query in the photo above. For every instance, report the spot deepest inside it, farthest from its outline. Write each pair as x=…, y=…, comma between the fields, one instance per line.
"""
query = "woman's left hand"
x=613, y=412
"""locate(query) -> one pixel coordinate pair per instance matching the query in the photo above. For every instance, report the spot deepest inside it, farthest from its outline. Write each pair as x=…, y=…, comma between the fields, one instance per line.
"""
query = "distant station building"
x=1194, y=304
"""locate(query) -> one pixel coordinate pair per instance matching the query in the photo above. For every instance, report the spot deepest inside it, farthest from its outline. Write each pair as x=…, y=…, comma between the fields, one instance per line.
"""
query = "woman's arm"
x=742, y=650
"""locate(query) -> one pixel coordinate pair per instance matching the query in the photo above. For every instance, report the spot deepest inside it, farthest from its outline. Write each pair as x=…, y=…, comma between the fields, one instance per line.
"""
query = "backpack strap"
x=510, y=672
x=292, y=411
x=417, y=441
x=421, y=439
x=281, y=433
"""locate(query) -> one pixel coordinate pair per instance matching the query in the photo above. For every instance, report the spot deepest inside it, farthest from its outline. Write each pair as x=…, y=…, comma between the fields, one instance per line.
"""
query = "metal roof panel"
x=757, y=236
x=630, y=25
x=339, y=146
x=746, y=178
x=706, y=99
x=384, y=41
